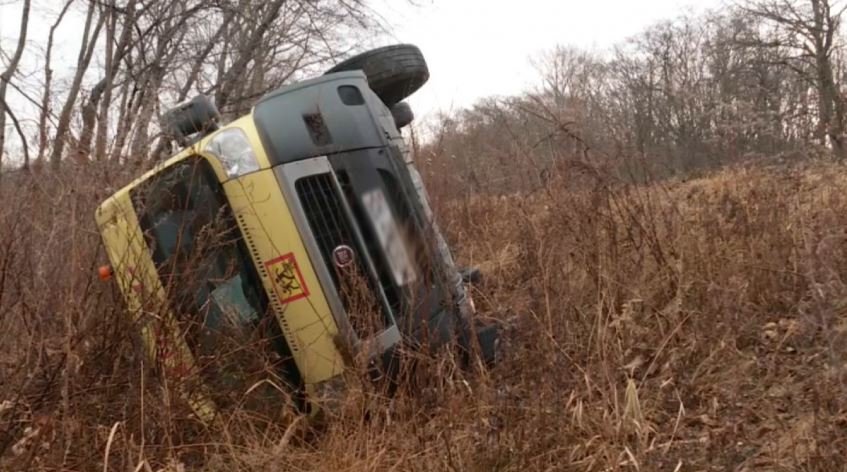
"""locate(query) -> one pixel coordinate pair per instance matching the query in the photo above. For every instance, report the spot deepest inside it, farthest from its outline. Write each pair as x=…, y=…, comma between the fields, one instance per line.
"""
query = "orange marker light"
x=105, y=273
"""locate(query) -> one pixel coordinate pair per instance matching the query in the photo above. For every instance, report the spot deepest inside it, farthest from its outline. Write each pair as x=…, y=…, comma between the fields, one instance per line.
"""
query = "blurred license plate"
x=390, y=237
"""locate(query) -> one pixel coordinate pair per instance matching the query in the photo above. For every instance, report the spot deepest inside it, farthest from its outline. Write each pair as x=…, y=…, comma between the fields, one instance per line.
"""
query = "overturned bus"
x=272, y=252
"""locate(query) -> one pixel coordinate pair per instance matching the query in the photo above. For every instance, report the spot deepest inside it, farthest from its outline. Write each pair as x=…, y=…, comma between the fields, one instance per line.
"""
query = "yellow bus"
x=271, y=251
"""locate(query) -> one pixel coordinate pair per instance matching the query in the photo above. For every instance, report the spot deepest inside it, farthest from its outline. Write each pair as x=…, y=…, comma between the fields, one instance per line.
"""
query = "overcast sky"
x=475, y=48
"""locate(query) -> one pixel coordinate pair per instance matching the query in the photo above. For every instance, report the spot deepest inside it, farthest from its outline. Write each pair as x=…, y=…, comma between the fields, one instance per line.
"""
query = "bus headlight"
x=233, y=150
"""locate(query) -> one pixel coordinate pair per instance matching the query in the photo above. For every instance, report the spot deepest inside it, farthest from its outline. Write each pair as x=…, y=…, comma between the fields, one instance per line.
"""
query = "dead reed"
x=696, y=325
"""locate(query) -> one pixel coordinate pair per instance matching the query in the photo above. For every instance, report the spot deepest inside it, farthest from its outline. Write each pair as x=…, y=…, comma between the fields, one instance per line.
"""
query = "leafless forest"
x=662, y=227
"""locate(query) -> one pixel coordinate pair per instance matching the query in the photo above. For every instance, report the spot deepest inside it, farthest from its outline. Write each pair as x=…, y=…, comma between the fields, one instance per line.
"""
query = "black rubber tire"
x=394, y=72
x=196, y=115
x=402, y=114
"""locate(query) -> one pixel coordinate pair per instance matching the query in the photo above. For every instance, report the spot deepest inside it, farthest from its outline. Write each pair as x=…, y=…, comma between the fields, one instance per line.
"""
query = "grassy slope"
x=700, y=323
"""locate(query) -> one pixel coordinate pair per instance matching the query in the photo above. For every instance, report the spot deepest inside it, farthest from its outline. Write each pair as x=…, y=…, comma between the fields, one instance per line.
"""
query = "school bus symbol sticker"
x=287, y=278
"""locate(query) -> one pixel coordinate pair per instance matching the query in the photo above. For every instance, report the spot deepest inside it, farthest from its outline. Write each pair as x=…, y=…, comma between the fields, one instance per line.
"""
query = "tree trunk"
x=46, y=109
x=6, y=76
x=233, y=77
x=96, y=110
x=89, y=115
x=86, y=51
x=124, y=112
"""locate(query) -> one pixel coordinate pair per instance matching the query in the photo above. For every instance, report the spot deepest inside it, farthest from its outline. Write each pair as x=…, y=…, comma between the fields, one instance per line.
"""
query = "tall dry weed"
x=670, y=325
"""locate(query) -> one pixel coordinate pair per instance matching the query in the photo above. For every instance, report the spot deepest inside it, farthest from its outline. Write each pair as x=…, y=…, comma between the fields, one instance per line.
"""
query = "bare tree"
x=6, y=77
x=17, y=124
x=48, y=84
x=156, y=53
x=810, y=29
x=93, y=24
x=694, y=92
x=101, y=94
x=233, y=76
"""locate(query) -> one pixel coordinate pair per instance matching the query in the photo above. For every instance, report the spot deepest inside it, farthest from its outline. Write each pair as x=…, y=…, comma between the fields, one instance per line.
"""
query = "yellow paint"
x=307, y=322
x=139, y=283
x=266, y=222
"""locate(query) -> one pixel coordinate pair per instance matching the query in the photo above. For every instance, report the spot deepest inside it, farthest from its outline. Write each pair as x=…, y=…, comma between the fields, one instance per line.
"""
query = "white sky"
x=474, y=48
x=478, y=48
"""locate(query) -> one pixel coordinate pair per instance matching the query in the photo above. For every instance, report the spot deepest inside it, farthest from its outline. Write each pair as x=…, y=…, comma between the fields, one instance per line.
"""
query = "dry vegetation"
x=670, y=325
x=673, y=325
x=693, y=325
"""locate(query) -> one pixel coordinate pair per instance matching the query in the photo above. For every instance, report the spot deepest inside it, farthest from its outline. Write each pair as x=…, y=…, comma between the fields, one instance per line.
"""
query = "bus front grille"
x=331, y=228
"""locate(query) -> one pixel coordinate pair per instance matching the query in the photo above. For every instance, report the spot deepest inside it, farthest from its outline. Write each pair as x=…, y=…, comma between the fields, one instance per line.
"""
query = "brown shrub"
x=671, y=326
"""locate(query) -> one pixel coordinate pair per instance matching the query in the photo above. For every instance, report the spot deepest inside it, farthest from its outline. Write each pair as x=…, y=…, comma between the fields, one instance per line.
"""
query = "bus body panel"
x=141, y=287
x=287, y=274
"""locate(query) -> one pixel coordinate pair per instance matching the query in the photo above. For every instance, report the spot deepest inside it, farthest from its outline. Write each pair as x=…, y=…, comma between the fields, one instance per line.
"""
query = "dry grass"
x=694, y=325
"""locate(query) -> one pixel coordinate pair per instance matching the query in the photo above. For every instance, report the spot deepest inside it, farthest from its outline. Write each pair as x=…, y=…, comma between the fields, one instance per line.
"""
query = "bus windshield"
x=210, y=281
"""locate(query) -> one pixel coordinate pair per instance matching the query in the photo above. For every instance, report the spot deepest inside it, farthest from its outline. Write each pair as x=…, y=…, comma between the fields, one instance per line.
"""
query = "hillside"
x=696, y=325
